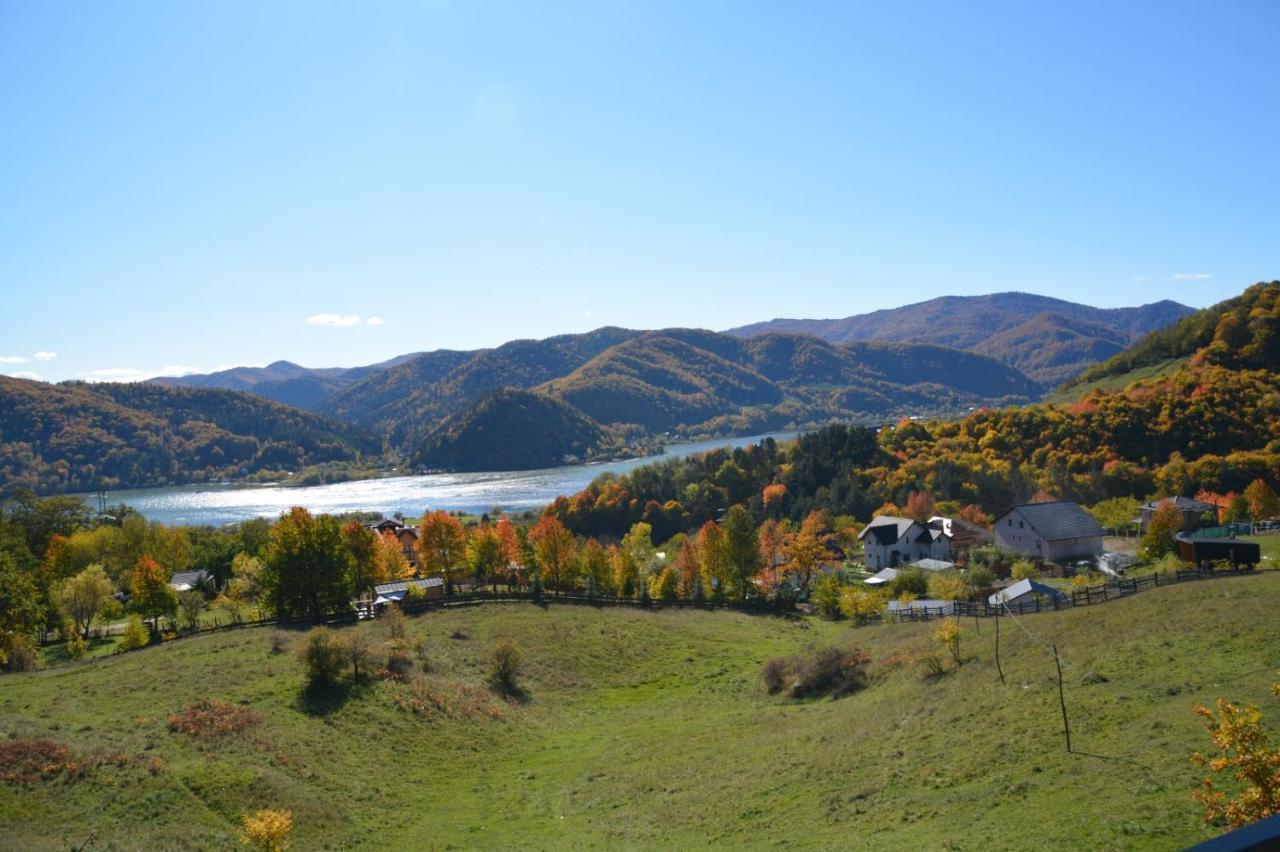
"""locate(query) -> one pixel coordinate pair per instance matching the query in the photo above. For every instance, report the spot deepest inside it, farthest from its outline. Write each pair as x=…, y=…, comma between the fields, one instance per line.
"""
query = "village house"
x=385, y=593
x=1193, y=512
x=888, y=542
x=1058, y=531
x=406, y=535
x=1026, y=592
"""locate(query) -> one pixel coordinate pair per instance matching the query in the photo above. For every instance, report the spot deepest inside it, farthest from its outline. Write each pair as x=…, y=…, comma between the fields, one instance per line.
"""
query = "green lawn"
x=1270, y=549
x=1115, y=383
x=649, y=729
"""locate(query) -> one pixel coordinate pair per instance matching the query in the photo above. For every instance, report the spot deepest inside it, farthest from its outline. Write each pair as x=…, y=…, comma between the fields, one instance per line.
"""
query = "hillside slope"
x=650, y=729
x=78, y=437
x=1240, y=333
x=511, y=429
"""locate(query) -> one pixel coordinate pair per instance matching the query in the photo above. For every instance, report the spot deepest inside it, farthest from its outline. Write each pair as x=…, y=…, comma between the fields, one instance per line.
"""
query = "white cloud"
x=114, y=374
x=374, y=321
x=12, y=359
x=1191, y=276
x=336, y=320
x=23, y=374
x=45, y=356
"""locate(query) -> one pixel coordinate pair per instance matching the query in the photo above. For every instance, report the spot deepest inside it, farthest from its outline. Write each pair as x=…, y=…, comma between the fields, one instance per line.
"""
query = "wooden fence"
x=1110, y=591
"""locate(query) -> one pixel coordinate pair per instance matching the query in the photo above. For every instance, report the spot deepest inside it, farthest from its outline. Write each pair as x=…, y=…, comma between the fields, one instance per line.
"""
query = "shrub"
x=323, y=657
x=910, y=581
x=279, y=641
x=948, y=586
x=212, y=718
x=823, y=671
x=862, y=604
x=948, y=633
x=135, y=635
x=1024, y=570
x=23, y=656
x=504, y=667
x=190, y=605
x=774, y=674
x=76, y=646
x=267, y=830
x=932, y=664
x=359, y=654
x=981, y=581
x=826, y=596
x=392, y=619
x=398, y=665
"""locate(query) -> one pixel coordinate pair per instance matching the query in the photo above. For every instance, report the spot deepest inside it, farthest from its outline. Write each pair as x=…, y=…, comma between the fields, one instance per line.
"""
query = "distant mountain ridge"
x=284, y=381
x=1076, y=335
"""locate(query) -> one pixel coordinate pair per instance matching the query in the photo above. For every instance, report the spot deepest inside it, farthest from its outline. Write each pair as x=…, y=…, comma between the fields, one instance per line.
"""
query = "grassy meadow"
x=651, y=729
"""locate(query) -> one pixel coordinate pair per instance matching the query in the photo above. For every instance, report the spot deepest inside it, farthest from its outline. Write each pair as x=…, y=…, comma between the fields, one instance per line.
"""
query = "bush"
x=932, y=665
x=398, y=665
x=392, y=619
x=1024, y=570
x=774, y=674
x=948, y=586
x=910, y=581
x=981, y=581
x=77, y=648
x=824, y=671
x=23, y=656
x=279, y=641
x=504, y=667
x=267, y=830
x=826, y=596
x=135, y=635
x=211, y=718
x=323, y=656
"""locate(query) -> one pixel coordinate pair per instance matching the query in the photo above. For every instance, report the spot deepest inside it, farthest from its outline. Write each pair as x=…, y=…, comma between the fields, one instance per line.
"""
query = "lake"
x=513, y=491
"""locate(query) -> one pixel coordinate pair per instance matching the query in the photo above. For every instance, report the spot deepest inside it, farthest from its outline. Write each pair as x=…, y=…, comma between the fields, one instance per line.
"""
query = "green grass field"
x=650, y=729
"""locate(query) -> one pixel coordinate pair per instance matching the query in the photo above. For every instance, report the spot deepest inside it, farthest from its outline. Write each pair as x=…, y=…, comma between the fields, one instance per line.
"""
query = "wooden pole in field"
x=998, y=667
x=1066, y=728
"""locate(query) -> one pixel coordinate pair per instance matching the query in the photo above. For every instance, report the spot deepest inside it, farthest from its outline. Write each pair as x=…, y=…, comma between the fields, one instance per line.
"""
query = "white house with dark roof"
x=1059, y=531
x=888, y=542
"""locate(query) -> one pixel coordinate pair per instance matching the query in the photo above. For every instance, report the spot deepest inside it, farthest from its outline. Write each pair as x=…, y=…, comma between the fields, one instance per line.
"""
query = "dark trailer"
x=1204, y=552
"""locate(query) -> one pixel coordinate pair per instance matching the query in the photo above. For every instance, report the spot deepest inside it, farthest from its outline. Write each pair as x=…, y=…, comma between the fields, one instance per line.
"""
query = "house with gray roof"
x=888, y=542
x=1192, y=511
x=1025, y=591
x=1058, y=531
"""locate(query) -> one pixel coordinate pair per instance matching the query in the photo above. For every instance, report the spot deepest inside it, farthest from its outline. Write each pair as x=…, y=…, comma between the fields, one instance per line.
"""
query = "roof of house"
x=931, y=604
x=933, y=564
x=189, y=579
x=403, y=585
x=1021, y=588
x=885, y=576
x=886, y=528
x=1182, y=504
x=1057, y=520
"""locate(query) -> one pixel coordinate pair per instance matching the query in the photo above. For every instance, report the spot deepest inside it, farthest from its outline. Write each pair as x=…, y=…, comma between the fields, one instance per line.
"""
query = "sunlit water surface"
x=512, y=491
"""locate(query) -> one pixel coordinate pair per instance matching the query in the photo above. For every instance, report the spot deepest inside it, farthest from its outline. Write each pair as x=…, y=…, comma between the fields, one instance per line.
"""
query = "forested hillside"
x=1240, y=333
x=512, y=429
x=1213, y=425
x=78, y=437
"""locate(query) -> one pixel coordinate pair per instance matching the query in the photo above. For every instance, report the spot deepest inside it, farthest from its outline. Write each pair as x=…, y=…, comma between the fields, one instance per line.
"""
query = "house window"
x=1020, y=526
x=1011, y=522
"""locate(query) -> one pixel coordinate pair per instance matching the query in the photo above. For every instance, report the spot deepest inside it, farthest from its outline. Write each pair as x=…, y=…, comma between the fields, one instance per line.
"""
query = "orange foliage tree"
x=442, y=542
x=1244, y=750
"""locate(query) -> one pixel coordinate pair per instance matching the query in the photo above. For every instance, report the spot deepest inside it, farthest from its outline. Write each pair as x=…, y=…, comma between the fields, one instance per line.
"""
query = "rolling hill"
x=512, y=429
x=650, y=729
x=1062, y=338
x=78, y=437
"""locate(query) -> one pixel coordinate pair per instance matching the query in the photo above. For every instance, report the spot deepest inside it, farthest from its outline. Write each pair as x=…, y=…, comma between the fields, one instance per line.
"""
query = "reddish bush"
x=212, y=718
x=35, y=760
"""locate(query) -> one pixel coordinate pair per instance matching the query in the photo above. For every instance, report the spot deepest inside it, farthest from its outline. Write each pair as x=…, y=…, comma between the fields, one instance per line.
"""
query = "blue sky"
x=184, y=185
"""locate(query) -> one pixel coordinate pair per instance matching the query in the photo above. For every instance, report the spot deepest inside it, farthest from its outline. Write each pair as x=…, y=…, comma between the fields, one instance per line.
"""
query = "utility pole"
x=1066, y=728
